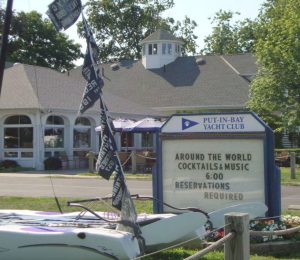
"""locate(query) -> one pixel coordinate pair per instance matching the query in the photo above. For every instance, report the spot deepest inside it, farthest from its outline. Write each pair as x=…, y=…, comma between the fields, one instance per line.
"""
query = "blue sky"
x=197, y=10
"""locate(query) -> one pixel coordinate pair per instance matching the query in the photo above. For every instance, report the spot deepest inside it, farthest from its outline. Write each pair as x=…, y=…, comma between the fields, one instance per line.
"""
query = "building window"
x=150, y=49
x=18, y=132
x=164, y=47
x=54, y=132
x=169, y=48
x=147, y=140
x=18, y=137
x=82, y=133
x=154, y=48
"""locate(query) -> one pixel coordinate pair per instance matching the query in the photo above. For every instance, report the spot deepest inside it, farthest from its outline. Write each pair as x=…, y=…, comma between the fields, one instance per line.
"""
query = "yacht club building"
x=39, y=106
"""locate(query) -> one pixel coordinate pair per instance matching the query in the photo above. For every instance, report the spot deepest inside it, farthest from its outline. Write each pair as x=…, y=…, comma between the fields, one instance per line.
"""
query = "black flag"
x=64, y=13
x=90, y=71
x=107, y=158
x=108, y=161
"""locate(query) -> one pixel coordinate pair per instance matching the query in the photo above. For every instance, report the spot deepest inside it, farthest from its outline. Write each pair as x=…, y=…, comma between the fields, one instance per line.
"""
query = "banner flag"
x=64, y=13
x=90, y=71
x=108, y=161
x=107, y=158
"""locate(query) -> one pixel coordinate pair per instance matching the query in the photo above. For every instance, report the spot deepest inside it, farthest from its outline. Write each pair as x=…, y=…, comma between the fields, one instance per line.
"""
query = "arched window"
x=82, y=133
x=18, y=134
x=54, y=132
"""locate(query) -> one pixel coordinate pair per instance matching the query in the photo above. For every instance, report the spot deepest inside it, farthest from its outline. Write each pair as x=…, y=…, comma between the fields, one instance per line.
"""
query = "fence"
x=237, y=238
x=287, y=158
x=141, y=161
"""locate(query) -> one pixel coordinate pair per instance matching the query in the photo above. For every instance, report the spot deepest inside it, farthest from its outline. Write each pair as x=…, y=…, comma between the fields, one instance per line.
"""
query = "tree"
x=184, y=30
x=35, y=41
x=275, y=92
x=120, y=25
x=228, y=37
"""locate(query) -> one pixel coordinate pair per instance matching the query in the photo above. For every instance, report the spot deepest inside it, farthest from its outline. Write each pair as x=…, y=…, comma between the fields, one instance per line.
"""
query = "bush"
x=9, y=164
x=52, y=163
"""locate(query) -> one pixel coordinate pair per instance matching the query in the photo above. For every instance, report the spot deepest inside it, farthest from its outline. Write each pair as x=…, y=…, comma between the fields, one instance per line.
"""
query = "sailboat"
x=27, y=234
x=31, y=235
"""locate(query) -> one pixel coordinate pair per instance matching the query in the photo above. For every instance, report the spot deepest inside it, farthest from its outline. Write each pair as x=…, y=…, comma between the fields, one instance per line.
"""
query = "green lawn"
x=48, y=204
x=286, y=176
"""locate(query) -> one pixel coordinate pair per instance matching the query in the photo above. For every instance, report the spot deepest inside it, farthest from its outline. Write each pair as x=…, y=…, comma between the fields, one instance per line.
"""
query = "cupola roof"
x=161, y=35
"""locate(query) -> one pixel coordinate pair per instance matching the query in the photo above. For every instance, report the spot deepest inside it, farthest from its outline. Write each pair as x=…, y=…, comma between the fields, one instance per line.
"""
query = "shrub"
x=9, y=164
x=52, y=163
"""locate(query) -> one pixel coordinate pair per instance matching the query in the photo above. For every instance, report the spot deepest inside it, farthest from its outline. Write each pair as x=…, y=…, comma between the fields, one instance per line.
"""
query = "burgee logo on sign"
x=186, y=123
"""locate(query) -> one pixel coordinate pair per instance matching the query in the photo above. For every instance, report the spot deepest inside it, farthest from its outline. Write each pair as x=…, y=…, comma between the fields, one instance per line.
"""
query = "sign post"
x=213, y=161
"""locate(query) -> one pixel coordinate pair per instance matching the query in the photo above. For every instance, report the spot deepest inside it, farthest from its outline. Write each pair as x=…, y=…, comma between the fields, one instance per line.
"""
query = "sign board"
x=212, y=161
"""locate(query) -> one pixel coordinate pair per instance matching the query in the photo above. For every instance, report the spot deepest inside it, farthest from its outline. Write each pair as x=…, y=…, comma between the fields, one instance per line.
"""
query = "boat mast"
x=8, y=15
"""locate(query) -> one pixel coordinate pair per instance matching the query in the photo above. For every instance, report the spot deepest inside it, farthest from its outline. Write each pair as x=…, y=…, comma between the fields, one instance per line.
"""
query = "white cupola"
x=160, y=48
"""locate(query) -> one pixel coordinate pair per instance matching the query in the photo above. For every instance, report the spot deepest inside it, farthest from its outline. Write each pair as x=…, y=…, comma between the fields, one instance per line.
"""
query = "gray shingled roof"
x=34, y=87
x=131, y=89
x=180, y=84
x=160, y=35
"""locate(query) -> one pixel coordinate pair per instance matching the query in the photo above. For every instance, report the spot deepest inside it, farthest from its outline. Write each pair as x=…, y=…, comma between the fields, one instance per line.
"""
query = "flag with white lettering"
x=64, y=13
x=107, y=158
x=108, y=161
x=90, y=71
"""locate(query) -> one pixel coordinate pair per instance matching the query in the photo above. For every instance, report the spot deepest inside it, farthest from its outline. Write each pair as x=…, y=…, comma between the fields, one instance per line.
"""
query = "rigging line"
x=56, y=199
x=42, y=134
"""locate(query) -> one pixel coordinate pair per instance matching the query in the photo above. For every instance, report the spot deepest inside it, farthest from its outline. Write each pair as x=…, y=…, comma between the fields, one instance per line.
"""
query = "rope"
x=146, y=157
x=277, y=232
x=179, y=244
x=127, y=159
x=212, y=247
x=285, y=157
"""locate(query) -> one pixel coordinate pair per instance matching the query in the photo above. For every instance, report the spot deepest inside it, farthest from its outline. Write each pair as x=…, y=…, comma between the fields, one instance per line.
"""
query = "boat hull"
x=46, y=242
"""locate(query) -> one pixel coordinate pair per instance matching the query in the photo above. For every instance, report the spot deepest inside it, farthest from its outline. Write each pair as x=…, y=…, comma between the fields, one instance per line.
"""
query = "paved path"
x=38, y=184
x=43, y=185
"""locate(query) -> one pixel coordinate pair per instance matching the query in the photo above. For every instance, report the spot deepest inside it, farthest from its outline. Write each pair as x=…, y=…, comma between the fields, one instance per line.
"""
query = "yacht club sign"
x=212, y=161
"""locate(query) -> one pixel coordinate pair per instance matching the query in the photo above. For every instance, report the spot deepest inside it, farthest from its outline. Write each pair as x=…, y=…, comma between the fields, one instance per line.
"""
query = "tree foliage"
x=275, y=92
x=34, y=40
x=120, y=25
x=185, y=31
x=229, y=37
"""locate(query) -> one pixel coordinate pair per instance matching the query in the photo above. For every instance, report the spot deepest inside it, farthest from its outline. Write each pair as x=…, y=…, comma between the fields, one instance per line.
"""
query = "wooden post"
x=293, y=165
x=91, y=158
x=237, y=248
x=133, y=161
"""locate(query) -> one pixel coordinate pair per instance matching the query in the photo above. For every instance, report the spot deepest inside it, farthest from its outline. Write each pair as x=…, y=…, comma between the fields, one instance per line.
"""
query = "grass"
x=181, y=253
x=286, y=176
x=48, y=204
x=128, y=176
